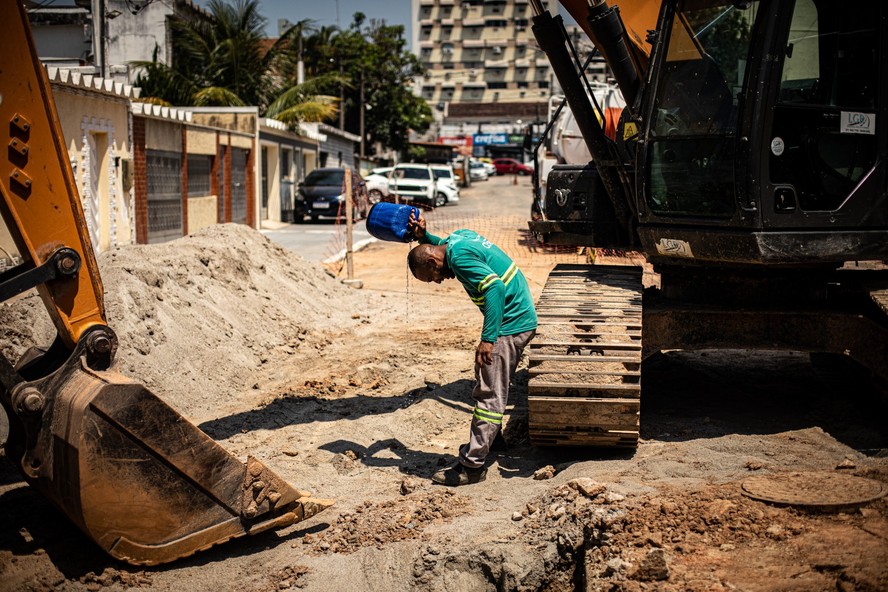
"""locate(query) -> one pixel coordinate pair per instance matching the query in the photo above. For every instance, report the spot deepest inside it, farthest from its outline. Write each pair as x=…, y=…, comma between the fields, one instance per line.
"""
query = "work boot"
x=459, y=474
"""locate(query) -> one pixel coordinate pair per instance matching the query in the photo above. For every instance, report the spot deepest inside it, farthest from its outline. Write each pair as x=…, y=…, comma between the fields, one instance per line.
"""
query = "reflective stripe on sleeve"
x=482, y=285
x=510, y=273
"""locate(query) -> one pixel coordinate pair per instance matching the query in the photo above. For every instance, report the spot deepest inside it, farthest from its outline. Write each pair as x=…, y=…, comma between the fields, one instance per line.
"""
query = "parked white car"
x=448, y=192
x=377, y=183
x=414, y=182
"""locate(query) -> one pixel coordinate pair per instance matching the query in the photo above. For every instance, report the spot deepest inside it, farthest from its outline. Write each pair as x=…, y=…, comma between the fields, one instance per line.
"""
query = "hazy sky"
x=333, y=12
x=337, y=12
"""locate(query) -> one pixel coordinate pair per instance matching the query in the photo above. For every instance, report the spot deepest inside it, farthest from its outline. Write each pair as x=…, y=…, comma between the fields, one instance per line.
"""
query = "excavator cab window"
x=823, y=138
x=696, y=101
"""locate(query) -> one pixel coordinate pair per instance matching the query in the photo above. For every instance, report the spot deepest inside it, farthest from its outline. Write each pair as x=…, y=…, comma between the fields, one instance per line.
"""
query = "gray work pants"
x=491, y=393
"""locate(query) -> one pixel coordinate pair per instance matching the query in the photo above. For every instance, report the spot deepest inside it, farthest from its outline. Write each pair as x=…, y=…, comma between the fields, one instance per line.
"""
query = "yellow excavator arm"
x=138, y=478
x=639, y=17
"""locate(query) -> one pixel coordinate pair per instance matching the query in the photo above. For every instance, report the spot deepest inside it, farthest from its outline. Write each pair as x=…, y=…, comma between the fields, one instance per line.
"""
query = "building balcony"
x=496, y=63
x=473, y=43
x=473, y=22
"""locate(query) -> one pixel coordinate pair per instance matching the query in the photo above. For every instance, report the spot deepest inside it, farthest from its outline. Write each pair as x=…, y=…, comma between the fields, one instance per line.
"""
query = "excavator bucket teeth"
x=138, y=478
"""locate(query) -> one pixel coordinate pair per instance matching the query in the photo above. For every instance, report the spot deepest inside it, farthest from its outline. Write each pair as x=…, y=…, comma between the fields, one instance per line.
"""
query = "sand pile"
x=202, y=319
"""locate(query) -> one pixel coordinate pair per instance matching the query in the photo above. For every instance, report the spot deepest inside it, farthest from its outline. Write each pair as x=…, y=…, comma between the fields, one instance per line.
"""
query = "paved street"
x=499, y=196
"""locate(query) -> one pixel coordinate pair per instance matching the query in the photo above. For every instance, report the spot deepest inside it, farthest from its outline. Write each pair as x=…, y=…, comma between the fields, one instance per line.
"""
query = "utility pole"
x=349, y=244
x=300, y=65
x=361, y=111
x=98, y=21
x=341, y=98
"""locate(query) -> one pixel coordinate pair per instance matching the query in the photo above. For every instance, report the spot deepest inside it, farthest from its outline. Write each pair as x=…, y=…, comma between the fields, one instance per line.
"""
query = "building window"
x=543, y=84
x=496, y=85
x=199, y=173
x=164, y=183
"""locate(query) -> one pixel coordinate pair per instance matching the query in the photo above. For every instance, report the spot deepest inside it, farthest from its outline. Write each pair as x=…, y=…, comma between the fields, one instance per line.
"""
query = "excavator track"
x=585, y=360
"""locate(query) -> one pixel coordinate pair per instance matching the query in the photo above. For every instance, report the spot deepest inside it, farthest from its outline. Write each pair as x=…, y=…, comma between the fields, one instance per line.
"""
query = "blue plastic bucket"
x=389, y=222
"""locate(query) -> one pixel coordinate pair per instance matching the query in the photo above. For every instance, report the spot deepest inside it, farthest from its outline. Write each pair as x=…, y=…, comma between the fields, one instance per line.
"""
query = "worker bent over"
x=499, y=289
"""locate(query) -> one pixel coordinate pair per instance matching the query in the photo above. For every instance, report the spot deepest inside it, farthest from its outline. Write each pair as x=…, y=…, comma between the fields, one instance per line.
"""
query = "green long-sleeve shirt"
x=492, y=281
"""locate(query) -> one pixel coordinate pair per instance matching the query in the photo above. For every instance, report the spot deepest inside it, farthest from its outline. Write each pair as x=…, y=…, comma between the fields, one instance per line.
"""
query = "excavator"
x=134, y=475
x=749, y=169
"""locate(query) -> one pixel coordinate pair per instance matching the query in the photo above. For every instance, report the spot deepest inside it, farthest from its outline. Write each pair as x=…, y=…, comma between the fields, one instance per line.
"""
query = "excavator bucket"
x=134, y=475
x=138, y=478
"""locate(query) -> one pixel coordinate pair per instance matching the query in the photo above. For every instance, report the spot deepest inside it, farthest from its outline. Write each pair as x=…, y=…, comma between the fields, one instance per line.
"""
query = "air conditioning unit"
x=473, y=72
x=497, y=50
x=447, y=50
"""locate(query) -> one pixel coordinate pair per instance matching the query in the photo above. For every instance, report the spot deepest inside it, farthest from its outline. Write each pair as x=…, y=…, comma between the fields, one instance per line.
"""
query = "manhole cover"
x=820, y=490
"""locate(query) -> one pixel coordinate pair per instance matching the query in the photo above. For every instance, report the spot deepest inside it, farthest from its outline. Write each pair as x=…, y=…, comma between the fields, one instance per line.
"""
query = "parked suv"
x=445, y=184
x=509, y=166
x=322, y=193
x=414, y=182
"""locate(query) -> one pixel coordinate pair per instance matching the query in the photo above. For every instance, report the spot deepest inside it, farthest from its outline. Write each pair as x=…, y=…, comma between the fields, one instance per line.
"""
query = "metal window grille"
x=200, y=169
x=239, y=185
x=164, y=180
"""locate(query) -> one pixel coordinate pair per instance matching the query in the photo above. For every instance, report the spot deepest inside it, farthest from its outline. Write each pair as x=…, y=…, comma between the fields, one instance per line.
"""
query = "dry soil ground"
x=360, y=395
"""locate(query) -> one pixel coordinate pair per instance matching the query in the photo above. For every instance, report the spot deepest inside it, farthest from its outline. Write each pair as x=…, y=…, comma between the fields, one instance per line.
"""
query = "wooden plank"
x=587, y=344
x=576, y=390
x=538, y=371
x=580, y=412
x=565, y=358
x=592, y=439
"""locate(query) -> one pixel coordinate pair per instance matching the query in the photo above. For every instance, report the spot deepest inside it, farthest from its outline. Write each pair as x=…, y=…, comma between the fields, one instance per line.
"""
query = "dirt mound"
x=198, y=317
x=376, y=524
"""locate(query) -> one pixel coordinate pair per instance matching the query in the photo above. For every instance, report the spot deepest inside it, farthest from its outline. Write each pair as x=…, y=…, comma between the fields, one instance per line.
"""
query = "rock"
x=615, y=566
x=652, y=568
x=531, y=509
x=586, y=486
x=655, y=539
x=546, y=472
x=667, y=508
x=753, y=465
x=612, y=497
x=517, y=516
x=775, y=531
x=409, y=485
x=716, y=511
x=846, y=464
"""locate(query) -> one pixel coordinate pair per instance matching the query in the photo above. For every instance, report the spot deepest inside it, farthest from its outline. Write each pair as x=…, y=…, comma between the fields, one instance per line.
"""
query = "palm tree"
x=225, y=61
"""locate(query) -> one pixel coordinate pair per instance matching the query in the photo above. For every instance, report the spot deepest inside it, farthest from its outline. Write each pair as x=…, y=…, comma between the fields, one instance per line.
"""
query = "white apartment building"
x=480, y=51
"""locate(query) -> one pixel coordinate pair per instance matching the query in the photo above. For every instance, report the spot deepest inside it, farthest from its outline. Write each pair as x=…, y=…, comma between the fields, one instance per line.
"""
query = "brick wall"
x=140, y=185
x=184, y=180
x=251, y=188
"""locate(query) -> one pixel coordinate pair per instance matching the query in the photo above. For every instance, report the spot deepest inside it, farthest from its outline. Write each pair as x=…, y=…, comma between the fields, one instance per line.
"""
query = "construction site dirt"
x=360, y=395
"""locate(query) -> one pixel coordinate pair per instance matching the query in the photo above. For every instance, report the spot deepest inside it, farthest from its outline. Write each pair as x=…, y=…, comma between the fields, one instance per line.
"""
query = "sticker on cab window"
x=854, y=122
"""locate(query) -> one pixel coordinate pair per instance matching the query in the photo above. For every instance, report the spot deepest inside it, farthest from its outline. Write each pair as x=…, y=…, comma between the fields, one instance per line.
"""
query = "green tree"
x=225, y=61
x=372, y=56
